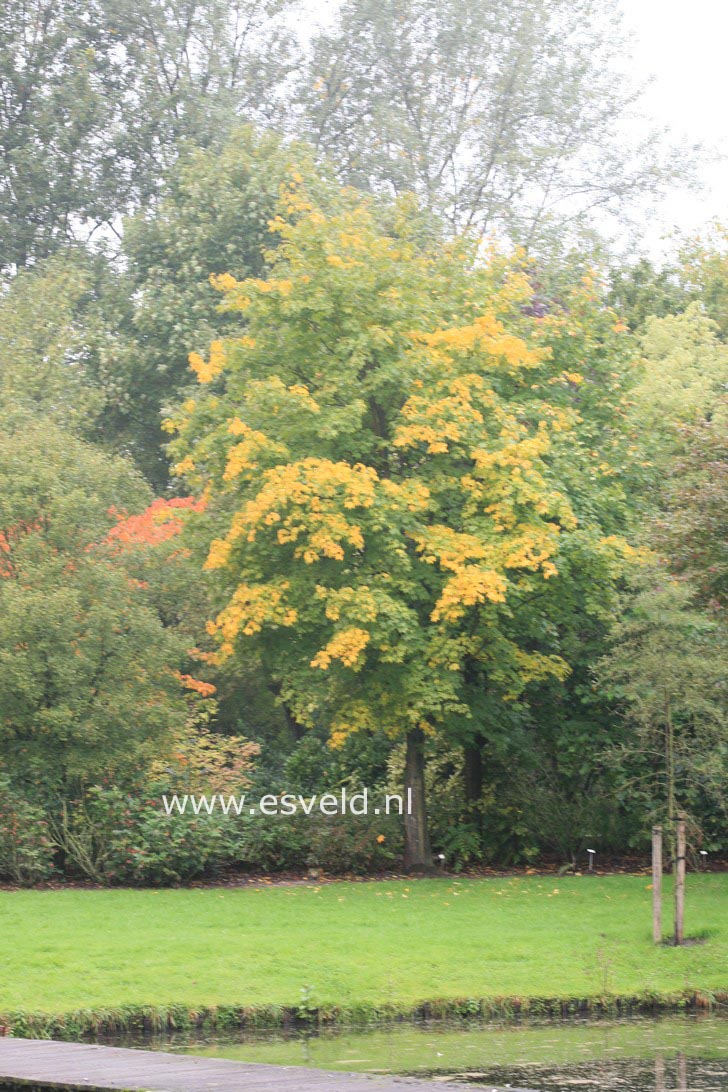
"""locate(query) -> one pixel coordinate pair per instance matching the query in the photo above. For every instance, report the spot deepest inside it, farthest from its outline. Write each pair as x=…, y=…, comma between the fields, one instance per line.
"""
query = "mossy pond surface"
x=668, y=1054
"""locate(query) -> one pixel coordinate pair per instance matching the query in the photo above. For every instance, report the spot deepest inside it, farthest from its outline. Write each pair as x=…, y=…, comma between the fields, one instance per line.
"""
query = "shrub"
x=124, y=836
x=151, y=847
x=354, y=843
x=115, y=837
x=26, y=846
x=272, y=844
x=333, y=843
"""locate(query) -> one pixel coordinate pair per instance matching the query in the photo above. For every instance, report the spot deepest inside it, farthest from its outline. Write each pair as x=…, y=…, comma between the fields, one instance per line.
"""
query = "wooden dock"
x=46, y=1064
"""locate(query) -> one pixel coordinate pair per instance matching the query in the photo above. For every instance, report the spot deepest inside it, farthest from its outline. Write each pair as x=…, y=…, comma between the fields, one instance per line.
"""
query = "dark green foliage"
x=212, y=217
x=85, y=662
x=329, y=844
x=641, y=291
x=26, y=846
x=115, y=836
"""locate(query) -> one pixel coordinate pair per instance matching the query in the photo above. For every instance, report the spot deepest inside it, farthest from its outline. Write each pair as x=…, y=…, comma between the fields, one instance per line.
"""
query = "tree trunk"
x=670, y=763
x=297, y=730
x=473, y=771
x=417, y=852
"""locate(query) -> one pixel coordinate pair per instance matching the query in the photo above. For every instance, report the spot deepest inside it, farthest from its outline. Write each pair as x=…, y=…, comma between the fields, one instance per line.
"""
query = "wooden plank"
x=101, y=1069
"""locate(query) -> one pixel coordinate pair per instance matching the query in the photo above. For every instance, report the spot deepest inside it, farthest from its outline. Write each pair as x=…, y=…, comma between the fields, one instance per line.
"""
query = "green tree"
x=683, y=373
x=99, y=97
x=87, y=667
x=692, y=528
x=667, y=670
x=643, y=290
x=379, y=454
x=61, y=91
x=670, y=637
x=696, y=273
x=703, y=265
x=212, y=217
x=43, y=351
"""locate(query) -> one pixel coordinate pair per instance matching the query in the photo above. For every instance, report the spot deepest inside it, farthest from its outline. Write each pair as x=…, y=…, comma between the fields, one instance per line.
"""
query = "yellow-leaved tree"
x=383, y=459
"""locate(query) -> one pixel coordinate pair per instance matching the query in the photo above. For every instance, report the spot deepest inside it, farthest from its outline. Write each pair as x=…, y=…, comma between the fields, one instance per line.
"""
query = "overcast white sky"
x=682, y=43
x=683, y=46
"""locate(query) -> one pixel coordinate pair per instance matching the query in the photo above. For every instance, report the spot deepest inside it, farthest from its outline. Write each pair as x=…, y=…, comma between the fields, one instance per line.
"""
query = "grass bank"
x=75, y=961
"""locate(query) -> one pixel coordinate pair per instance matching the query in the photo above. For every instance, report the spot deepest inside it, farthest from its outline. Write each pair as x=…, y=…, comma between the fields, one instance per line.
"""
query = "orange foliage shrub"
x=156, y=524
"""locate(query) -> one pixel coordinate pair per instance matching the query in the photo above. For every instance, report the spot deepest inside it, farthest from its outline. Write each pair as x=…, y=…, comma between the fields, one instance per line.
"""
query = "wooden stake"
x=659, y=1074
x=657, y=884
x=680, y=882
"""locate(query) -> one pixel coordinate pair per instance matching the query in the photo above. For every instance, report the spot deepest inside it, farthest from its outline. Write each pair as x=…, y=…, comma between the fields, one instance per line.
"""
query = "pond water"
x=670, y=1054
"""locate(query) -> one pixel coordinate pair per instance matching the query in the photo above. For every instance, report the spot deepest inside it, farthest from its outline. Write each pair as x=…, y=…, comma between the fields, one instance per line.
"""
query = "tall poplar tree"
x=502, y=115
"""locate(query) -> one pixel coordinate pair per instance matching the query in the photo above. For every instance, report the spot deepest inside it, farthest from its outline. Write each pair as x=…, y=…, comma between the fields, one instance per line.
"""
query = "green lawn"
x=374, y=942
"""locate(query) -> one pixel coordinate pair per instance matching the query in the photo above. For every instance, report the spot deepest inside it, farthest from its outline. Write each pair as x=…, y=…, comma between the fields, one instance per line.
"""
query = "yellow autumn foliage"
x=346, y=646
x=385, y=466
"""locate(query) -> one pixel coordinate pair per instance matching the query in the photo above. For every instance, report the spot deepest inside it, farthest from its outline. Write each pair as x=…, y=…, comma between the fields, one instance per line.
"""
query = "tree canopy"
x=502, y=116
x=378, y=457
x=98, y=100
x=87, y=667
x=411, y=480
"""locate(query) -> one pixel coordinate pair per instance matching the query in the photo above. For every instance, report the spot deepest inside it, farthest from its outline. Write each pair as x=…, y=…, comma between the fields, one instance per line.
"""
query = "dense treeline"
x=337, y=449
